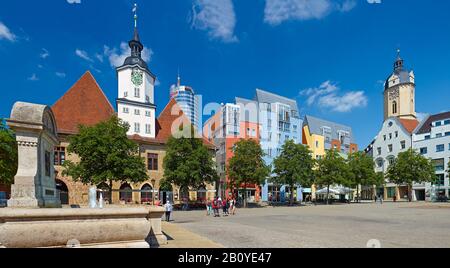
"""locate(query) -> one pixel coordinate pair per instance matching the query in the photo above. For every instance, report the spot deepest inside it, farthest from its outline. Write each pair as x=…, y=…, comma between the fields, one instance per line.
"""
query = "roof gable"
x=316, y=124
x=409, y=124
x=83, y=104
x=171, y=114
x=426, y=126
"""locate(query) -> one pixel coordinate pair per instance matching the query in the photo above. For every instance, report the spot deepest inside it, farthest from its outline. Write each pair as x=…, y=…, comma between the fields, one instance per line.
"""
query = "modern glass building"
x=187, y=100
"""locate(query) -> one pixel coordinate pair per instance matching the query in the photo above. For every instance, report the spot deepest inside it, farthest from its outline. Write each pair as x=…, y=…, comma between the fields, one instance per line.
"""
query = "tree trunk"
x=410, y=189
x=245, y=195
x=292, y=195
x=328, y=194
x=110, y=191
x=357, y=193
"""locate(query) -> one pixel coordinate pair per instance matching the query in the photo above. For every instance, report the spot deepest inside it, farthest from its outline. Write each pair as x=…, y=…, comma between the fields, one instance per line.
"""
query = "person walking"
x=215, y=206
x=233, y=204
x=225, y=207
x=208, y=208
x=169, y=209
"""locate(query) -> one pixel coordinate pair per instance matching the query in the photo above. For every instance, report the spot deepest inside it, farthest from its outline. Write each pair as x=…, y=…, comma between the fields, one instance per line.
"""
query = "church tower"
x=135, y=102
x=399, y=92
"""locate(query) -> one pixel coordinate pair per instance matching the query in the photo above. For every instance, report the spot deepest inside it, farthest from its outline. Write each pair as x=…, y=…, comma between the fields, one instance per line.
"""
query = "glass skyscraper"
x=187, y=100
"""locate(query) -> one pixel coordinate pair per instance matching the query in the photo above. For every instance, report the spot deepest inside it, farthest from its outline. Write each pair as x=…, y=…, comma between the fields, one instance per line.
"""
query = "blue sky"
x=338, y=51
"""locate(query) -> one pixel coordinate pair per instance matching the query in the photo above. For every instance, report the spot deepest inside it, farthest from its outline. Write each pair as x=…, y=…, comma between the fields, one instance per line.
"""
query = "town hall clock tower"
x=399, y=92
x=135, y=102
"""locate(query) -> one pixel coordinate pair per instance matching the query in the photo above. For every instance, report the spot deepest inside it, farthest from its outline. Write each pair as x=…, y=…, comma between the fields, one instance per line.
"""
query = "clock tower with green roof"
x=136, y=85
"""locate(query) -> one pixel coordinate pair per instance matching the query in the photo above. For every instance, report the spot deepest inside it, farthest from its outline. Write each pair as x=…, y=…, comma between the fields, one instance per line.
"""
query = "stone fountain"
x=34, y=217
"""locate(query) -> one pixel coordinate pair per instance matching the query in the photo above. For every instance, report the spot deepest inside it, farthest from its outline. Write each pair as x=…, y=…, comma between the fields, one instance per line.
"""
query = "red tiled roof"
x=409, y=124
x=84, y=104
x=171, y=114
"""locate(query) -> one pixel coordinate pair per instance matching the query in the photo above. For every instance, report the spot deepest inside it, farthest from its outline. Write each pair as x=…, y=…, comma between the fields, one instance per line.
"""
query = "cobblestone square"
x=394, y=225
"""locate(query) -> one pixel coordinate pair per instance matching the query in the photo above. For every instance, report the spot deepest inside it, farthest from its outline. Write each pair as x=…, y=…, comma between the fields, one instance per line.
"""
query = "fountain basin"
x=109, y=227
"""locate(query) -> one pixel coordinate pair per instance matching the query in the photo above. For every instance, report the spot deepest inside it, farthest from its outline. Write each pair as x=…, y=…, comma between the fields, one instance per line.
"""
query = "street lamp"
x=153, y=191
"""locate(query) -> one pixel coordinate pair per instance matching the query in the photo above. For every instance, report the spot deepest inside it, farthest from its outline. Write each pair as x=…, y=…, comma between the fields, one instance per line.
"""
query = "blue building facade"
x=279, y=120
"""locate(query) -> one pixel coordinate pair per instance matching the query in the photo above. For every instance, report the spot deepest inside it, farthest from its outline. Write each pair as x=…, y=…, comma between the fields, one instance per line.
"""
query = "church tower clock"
x=135, y=102
x=399, y=92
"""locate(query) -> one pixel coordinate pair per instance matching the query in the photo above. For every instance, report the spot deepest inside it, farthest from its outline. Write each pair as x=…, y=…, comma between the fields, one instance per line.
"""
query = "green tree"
x=411, y=167
x=189, y=163
x=106, y=155
x=247, y=165
x=294, y=167
x=331, y=169
x=8, y=154
x=362, y=171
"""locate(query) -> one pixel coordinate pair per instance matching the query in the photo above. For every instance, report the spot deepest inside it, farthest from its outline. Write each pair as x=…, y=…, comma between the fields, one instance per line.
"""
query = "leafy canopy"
x=411, y=167
x=106, y=155
x=332, y=169
x=294, y=166
x=8, y=154
x=247, y=164
x=362, y=171
x=189, y=163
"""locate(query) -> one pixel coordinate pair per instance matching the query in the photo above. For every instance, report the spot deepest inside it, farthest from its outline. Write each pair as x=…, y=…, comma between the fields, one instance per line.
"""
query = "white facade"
x=434, y=143
x=135, y=103
x=392, y=140
x=127, y=88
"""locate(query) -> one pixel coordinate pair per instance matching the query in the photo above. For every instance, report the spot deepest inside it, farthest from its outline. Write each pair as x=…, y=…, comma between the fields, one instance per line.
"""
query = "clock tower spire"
x=136, y=84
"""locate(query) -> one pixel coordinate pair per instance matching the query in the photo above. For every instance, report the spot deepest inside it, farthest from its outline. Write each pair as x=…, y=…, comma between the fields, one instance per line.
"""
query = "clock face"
x=394, y=94
x=137, y=77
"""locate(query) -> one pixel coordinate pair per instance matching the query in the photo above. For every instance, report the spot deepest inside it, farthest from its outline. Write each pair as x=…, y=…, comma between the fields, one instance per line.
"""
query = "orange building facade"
x=225, y=129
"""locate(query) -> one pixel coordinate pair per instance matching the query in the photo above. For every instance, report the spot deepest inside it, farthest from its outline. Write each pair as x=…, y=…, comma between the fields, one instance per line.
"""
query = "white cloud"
x=83, y=54
x=313, y=93
x=60, y=74
x=44, y=54
x=326, y=96
x=74, y=1
x=278, y=11
x=99, y=57
x=5, y=33
x=374, y=1
x=33, y=77
x=117, y=57
x=217, y=17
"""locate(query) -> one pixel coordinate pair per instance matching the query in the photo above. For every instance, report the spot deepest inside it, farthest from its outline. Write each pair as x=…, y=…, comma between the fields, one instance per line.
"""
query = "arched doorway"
x=184, y=194
x=166, y=191
x=126, y=193
x=201, y=194
x=104, y=188
x=146, y=194
x=63, y=191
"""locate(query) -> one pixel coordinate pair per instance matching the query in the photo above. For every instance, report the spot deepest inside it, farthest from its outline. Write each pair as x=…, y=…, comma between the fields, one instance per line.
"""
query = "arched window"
x=61, y=187
x=126, y=193
x=184, y=193
x=394, y=107
x=146, y=194
x=201, y=194
x=380, y=162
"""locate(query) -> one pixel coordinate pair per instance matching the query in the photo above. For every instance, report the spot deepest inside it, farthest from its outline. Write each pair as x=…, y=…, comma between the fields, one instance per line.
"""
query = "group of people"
x=228, y=207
